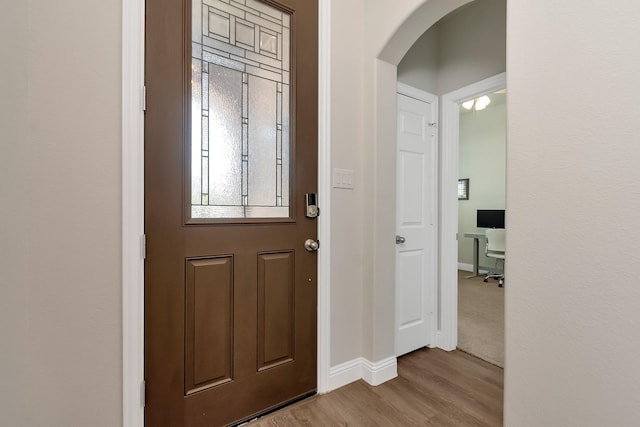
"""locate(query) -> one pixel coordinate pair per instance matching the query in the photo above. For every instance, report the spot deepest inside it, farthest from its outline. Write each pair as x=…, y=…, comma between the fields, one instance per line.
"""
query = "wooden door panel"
x=230, y=303
x=209, y=323
x=276, y=309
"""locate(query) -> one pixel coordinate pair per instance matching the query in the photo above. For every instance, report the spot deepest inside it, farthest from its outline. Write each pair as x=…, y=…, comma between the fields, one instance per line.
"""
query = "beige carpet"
x=481, y=318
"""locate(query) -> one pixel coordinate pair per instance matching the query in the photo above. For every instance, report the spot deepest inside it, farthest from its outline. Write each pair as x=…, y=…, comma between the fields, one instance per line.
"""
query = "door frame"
x=133, y=99
x=413, y=92
x=450, y=137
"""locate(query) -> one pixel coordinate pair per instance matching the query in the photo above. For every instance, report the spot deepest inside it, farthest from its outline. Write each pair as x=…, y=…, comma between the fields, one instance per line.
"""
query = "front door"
x=230, y=151
x=415, y=216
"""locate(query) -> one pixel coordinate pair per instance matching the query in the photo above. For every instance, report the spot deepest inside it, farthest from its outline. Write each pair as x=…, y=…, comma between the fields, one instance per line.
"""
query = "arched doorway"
x=384, y=130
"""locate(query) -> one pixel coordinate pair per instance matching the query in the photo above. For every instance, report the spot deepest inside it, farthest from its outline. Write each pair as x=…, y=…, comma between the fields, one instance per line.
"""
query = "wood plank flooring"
x=433, y=388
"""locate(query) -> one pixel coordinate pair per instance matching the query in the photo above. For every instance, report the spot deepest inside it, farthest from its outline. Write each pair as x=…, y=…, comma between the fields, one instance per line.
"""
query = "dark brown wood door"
x=230, y=151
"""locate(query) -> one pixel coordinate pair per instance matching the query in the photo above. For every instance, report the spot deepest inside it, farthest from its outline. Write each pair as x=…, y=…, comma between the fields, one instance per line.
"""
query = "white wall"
x=482, y=160
x=464, y=47
x=573, y=197
x=347, y=214
x=13, y=263
x=419, y=67
x=472, y=42
x=60, y=214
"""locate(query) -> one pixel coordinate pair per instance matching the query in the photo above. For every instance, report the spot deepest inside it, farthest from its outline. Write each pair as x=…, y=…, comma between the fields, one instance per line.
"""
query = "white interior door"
x=415, y=213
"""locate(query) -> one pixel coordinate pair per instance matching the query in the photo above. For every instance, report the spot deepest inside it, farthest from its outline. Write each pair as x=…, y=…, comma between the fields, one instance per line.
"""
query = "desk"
x=476, y=252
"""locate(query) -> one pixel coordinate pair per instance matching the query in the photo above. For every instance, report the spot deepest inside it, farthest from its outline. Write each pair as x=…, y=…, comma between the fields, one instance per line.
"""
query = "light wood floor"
x=433, y=388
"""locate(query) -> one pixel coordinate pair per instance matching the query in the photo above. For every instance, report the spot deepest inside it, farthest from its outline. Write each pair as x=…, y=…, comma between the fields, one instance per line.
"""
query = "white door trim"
x=132, y=212
x=432, y=99
x=133, y=207
x=416, y=93
x=324, y=191
x=447, y=338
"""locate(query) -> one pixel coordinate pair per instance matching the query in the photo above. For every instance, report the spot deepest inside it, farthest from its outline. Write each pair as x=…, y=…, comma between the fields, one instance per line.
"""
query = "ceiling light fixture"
x=477, y=103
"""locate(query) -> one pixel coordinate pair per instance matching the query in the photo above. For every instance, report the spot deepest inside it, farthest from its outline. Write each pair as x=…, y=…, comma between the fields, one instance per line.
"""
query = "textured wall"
x=573, y=197
x=13, y=224
x=472, y=44
x=347, y=205
x=61, y=213
x=463, y=48
x=419, y=67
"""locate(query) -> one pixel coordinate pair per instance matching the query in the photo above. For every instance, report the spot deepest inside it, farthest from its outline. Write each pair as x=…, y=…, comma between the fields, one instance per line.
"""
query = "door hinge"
x=144, y=98
x=143, y=394
x=433, y=125
x=143, y=246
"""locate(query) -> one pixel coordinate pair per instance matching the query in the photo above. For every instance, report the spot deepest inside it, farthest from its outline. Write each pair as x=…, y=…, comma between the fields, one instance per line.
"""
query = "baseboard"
x=469, y=267
x=380, y=372
x=345, y=373
x=361, y=368
x=465, y=267
x=445, y=342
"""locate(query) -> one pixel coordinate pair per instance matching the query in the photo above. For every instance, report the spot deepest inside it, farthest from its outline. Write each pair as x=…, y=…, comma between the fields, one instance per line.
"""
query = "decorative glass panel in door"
x=240, y=109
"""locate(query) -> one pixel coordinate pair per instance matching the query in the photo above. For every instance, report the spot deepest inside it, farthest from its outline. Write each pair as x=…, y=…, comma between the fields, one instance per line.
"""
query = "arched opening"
x=424, y=17
x=385, y=127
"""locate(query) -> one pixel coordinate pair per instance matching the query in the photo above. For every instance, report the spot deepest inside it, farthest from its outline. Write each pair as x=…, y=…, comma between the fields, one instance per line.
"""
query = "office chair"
x=495, y=249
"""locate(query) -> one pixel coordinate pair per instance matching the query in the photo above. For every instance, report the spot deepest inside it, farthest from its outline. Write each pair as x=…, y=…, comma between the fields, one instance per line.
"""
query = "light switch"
x=343, y=178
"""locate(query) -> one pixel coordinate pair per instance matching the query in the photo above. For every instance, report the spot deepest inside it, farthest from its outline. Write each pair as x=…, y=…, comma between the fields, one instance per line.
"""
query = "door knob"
x=311, y=245
x=400, y=239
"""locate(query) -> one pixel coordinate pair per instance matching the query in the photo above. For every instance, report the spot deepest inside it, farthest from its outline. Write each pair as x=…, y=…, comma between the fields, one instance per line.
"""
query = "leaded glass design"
x=240, y=144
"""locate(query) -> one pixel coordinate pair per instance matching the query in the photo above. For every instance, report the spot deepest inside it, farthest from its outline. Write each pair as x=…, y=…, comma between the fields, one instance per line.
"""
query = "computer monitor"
x=490, y=218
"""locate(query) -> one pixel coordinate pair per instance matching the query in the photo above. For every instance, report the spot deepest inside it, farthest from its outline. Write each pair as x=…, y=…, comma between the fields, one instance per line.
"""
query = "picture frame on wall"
x=463, y=189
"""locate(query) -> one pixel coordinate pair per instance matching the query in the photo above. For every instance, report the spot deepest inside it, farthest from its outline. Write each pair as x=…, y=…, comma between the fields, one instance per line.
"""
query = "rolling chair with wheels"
x=495, y=249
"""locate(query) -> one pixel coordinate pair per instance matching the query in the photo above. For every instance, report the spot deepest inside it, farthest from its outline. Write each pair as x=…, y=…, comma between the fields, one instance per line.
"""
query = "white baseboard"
x=446, y=343
x=465, y=267
x=380, y=372
x=469, y=267
x=361, y=368
x=344, y=374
